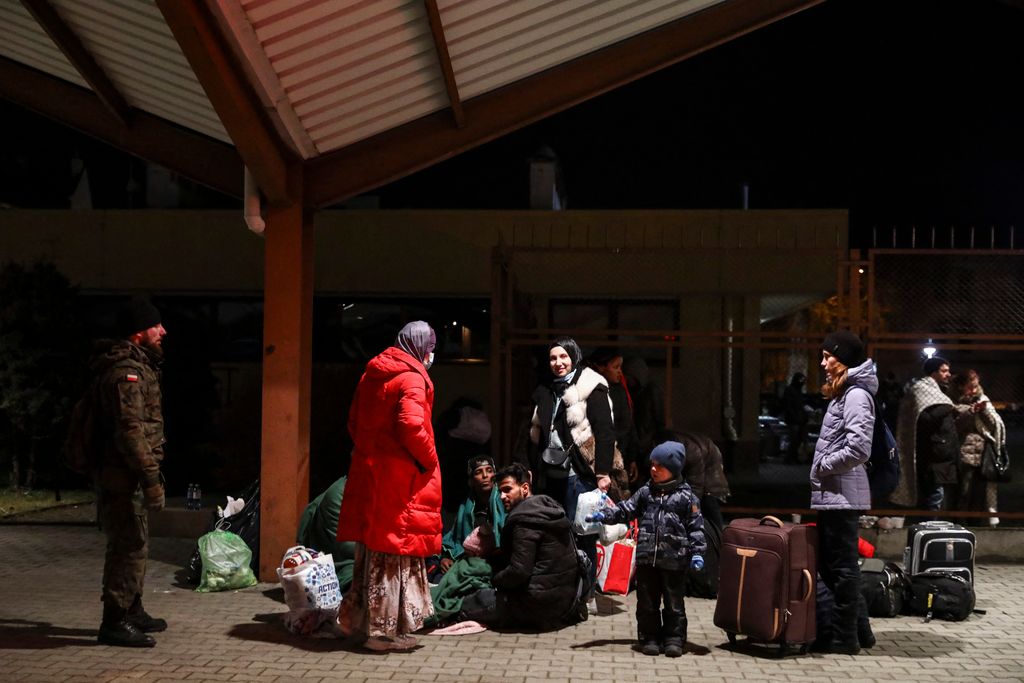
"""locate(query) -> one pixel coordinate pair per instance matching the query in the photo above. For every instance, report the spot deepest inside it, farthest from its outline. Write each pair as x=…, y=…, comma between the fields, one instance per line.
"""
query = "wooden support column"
x=287, y=373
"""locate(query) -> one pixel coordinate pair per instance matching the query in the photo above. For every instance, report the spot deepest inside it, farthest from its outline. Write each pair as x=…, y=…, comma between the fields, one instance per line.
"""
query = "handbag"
x=995, y=463
x=555, y=457
x=616, y=563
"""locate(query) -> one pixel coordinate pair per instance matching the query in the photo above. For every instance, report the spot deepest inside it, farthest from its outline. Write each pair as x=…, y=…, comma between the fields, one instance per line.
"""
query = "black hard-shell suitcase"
x=767, y=582
x=940, y=546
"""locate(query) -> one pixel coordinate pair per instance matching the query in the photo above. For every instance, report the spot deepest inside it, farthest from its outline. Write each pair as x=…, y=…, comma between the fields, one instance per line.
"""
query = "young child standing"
x=670, y=540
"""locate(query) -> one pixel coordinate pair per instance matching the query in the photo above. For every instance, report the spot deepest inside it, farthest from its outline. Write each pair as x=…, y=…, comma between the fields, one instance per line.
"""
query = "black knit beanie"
x=136, y=315
x=846, y=347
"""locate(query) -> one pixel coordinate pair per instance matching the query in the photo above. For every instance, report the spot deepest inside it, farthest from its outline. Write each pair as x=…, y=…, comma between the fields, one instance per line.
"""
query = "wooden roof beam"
x=201, y=159
x=237, y=105
x=70, y=44
x=391, y=155
x=445, y=60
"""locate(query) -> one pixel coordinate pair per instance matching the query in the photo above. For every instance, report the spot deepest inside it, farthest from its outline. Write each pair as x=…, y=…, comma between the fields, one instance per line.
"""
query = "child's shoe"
x=650, y=648
x=673, y=647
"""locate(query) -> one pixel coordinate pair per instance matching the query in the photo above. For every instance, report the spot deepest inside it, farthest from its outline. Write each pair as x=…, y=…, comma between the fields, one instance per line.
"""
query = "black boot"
x=673, y=647
x=139, y=618
x=650, y=647
x=118, y=631
x=865, y=636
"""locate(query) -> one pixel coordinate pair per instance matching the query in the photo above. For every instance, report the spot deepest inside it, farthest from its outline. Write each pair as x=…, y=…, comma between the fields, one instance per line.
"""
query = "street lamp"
x=929, y=349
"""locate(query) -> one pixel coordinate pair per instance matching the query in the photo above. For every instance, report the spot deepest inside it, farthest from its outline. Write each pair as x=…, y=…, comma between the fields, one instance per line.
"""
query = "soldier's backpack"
x=84, y=440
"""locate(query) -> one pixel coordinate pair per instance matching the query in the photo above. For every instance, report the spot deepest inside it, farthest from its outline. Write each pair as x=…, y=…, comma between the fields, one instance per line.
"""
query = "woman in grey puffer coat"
x=839, y=485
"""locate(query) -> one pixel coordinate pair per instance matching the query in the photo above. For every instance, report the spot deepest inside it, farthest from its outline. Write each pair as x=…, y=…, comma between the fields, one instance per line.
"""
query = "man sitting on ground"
x=482, y=510
x=537, y=588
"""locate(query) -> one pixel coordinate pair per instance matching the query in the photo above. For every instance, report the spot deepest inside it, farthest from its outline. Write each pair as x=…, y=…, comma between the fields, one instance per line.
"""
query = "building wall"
x=716, y=264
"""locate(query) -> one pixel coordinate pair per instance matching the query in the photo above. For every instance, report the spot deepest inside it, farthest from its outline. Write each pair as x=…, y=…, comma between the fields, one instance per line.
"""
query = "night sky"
x=902, y=111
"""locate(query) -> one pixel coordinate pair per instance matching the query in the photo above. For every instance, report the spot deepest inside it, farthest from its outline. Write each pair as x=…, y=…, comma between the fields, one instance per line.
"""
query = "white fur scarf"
x=575, y=400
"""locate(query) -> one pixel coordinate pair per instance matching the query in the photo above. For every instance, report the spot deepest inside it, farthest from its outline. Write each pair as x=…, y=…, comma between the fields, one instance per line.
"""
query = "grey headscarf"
x=417, y=339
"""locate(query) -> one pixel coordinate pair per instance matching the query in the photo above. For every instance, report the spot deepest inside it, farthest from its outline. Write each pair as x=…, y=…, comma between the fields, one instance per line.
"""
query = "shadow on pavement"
x=18, y=634
x=276, y=594
x=934, y=646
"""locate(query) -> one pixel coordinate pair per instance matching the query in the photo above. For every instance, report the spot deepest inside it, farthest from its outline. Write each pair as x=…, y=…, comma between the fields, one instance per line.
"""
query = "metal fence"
x=967, y=304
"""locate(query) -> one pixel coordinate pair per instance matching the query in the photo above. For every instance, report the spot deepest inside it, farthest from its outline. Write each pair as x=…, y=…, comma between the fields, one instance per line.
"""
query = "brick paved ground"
x=49, y=609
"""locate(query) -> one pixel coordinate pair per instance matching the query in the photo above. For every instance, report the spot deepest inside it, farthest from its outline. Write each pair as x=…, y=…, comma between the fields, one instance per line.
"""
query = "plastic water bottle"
x=190, y=497
x=197, y=498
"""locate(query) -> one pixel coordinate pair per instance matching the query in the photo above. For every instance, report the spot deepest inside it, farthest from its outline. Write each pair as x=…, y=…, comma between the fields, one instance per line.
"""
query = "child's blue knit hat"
x=671, y=455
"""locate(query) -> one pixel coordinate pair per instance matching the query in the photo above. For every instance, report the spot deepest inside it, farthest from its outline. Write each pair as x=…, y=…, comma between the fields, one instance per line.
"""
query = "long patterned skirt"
x=390, y=595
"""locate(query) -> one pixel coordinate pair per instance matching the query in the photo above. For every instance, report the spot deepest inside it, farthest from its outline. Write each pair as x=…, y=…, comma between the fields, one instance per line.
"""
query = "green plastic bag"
x=226, y=560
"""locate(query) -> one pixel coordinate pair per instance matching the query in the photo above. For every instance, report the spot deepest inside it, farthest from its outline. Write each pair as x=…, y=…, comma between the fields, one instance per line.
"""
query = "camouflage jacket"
x=671, y=528
x=130, y=415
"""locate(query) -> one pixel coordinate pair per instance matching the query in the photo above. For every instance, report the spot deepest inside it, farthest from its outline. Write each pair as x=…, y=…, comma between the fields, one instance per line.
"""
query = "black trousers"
x=837, y=564
x=654, y=588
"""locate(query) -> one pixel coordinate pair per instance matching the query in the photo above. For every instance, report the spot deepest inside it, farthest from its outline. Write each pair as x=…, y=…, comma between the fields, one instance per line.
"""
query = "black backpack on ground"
x=584, y=586
x=941, y=595
x=703, y=583
x=885, y=587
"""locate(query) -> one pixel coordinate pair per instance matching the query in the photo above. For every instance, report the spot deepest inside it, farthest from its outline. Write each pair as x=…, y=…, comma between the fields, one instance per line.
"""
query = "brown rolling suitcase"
x=766, y=583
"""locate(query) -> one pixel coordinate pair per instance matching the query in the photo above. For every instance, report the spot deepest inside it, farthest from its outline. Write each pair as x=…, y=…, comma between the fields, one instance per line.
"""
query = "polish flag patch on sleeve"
x=131, y=377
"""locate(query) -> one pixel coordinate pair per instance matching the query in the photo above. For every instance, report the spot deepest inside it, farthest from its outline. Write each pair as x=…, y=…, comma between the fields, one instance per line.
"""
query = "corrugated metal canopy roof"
x=313, y=80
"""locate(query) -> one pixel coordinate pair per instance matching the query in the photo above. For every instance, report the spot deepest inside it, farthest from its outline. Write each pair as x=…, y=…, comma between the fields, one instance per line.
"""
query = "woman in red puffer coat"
x=392, y=503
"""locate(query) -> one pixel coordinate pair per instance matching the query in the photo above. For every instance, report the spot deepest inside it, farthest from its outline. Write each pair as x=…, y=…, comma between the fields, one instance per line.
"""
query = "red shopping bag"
x=616, y=563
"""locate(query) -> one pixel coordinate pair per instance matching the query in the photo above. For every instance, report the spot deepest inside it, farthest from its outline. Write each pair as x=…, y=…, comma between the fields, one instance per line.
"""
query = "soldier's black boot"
x=118, y=631
x=141, y=619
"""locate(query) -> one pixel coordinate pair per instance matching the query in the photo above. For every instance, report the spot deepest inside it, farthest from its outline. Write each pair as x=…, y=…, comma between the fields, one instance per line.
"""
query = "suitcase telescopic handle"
x=774, y=520
x=810, y=585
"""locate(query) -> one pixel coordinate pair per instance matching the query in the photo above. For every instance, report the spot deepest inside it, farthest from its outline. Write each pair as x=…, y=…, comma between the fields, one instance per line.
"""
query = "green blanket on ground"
x=466, y=576
x=318, y=529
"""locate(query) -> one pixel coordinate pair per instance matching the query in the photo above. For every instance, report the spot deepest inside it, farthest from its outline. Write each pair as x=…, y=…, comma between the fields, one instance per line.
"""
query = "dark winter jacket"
x=838, y=478
x=703, y=469
x=539, y=583
x=625, y=432
x=671, y=527
x=132, y=421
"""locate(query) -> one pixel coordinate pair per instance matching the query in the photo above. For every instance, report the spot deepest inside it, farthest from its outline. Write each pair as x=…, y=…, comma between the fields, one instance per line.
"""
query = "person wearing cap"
x=482, y=510
x=670, y=541
x=127, y=477
x=392, y=503
x=927, y=438
x=839, y=486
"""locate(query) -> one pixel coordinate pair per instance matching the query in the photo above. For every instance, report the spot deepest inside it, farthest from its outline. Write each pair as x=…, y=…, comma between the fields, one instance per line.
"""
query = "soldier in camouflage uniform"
x=128, y=479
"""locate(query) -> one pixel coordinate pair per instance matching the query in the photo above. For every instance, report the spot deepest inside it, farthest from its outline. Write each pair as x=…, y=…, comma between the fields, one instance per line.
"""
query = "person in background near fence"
x=392, y=503
x=976, y=428
x=648, y=405
x=670, y=541
x=926, y=435
x=839, y=485
x=129, y=482
x=574, y=436
x=607, y=361
x=703, y=472
x=794, y=412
